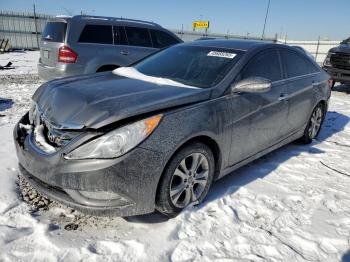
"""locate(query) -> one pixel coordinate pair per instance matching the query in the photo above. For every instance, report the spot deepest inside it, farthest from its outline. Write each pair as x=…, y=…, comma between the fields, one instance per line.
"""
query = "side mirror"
x=252, y=85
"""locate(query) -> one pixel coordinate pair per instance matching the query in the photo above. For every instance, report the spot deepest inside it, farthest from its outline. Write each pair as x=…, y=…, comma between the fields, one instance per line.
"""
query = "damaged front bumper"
x=122, y=186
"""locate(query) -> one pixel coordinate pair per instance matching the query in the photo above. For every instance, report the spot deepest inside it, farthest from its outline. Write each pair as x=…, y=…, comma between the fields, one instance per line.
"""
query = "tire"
x=186, y=179
x=314, y=125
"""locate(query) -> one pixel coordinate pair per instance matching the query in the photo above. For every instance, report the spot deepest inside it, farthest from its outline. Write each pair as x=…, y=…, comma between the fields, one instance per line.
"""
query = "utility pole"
x=36, y=27
x=267, y=13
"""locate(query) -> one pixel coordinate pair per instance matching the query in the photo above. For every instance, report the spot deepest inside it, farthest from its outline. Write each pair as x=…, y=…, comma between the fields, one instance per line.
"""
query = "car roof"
x=105, y=18
x=238, y=44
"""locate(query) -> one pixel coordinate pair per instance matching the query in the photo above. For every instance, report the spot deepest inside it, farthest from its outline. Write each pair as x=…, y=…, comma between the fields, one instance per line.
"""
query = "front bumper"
x=338, y=75
x=133, y=177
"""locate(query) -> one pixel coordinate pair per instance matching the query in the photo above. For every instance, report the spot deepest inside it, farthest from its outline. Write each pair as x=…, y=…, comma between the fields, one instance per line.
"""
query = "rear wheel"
x=186, y=179
x=314, y=125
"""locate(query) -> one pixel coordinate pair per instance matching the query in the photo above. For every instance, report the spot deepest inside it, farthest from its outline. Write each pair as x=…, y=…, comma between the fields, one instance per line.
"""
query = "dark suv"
x=88, y=44
x=337, y=63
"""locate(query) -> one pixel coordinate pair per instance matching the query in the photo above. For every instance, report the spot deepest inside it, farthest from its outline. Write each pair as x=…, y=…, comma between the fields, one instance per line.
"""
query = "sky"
x=298, y=19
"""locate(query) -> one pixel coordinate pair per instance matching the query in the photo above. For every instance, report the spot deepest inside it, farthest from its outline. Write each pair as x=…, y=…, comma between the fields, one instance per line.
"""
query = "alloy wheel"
x=315, y=122
x=189, y=180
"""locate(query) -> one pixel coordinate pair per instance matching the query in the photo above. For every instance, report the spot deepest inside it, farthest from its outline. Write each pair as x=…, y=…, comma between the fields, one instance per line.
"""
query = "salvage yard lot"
x=291, y=205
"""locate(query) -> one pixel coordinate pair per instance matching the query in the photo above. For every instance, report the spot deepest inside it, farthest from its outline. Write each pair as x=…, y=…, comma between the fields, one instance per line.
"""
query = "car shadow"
x=5, y=104
x=259, y=168
x=342, y=88
x=346, y=257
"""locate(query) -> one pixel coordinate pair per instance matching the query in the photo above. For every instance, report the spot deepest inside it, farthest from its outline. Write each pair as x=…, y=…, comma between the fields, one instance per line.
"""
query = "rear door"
x=140, y=43
x=95, y=46
x=301, y=87
x=52, y=39
x=259, y=118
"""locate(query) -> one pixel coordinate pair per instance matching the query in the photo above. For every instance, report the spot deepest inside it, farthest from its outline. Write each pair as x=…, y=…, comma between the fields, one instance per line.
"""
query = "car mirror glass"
x=252, y=85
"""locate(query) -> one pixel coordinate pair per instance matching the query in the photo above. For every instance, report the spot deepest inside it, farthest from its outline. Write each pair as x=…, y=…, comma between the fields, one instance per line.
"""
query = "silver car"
x=88, y=44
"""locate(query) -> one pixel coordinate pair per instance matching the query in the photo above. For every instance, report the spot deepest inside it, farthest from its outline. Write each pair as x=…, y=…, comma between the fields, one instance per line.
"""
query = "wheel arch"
x=206, y=140
x=324, y=105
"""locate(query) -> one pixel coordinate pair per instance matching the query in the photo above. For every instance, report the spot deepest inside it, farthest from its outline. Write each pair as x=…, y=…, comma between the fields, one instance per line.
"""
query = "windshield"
x=196, y=66
x=54, y=32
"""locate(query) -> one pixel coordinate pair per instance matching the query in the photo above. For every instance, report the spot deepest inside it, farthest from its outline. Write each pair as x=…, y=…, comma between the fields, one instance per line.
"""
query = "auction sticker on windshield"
x=221, y=54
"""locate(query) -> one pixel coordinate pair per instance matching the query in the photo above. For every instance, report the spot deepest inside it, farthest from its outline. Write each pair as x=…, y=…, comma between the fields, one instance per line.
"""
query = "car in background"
x=156, y=134
x=337, y=62
x=88, y=44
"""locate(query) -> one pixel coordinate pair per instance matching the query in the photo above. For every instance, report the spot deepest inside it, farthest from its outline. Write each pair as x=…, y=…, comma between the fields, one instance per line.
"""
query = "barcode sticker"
x=221, y=54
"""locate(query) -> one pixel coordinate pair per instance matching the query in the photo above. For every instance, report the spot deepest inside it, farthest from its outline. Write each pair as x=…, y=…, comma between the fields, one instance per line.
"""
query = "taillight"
x=330, y=83
x=67, y=55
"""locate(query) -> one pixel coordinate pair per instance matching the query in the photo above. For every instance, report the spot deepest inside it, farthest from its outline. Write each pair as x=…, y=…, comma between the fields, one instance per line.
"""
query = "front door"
x=259, y=119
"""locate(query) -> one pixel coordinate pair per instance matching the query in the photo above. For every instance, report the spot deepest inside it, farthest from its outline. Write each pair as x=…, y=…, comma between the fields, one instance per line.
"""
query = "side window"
x=138, y=36
x=99, y=34
x=120, y=36
x=296, y=65
x=266, y=65
x=161, y=39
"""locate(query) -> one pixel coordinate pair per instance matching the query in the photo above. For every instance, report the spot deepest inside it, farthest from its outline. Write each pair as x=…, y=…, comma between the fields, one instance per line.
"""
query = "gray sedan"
x=155, y=135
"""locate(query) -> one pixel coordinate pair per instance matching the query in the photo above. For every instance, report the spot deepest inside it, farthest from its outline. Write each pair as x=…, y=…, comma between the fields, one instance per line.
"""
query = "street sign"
x=200, y=24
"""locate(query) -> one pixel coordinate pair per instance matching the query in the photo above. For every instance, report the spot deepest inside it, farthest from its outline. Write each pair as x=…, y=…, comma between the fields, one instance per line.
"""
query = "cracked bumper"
x=132, y=179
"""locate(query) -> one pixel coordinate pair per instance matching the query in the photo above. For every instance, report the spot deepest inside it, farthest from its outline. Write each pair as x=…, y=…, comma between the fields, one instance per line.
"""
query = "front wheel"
x=314, y=125
x=186, y=179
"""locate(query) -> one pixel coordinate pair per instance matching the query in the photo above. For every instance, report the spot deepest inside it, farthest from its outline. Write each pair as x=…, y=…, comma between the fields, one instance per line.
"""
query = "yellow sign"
x=200, y=24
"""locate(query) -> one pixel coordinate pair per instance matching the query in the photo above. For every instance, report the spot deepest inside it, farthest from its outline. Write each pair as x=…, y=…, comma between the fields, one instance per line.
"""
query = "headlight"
x=116, y=142
x=327, y=61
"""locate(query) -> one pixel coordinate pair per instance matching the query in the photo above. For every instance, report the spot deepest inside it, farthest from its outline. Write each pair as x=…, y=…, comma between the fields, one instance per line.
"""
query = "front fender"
x=206, y=119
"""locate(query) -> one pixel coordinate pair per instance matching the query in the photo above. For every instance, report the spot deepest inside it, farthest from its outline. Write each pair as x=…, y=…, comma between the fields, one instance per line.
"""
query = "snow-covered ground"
x=291, y=205
x=23, y=62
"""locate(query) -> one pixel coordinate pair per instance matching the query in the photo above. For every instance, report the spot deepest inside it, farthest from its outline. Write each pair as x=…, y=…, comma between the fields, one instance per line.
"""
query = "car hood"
x=341, y=48
x=94, y=101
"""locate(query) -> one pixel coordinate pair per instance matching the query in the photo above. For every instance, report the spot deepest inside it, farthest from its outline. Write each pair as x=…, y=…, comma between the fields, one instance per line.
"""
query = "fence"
x=23, y=29
x=318, y=49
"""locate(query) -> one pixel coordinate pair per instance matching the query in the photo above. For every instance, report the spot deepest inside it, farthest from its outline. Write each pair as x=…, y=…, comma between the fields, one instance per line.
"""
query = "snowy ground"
x=291, y=205
x=23, y=62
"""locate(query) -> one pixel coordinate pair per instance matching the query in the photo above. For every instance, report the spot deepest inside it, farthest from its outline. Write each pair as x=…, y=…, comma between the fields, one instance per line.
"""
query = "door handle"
x=123, y=52
x=282, y=97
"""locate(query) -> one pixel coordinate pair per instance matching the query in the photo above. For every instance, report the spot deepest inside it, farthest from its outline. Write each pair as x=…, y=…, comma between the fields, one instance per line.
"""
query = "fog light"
x=100, y=195
x=98, y=198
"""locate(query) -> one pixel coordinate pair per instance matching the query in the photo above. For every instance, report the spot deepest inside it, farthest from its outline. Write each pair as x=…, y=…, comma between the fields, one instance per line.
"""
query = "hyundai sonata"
x=155, y=135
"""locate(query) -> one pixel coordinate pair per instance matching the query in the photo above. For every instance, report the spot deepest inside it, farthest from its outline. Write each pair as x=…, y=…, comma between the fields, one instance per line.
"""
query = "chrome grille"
x=55, y=136
x=340, y=60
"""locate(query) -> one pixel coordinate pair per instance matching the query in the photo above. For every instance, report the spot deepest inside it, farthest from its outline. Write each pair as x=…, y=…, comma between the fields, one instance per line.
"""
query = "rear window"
x=296, y=65
x=54, y=32
x=98, y=34
x=161, y=39
x=138, y=36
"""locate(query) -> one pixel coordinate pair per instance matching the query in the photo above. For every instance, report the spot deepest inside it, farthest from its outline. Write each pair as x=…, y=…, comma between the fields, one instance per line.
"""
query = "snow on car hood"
x=97, y=100
x=133, y=73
